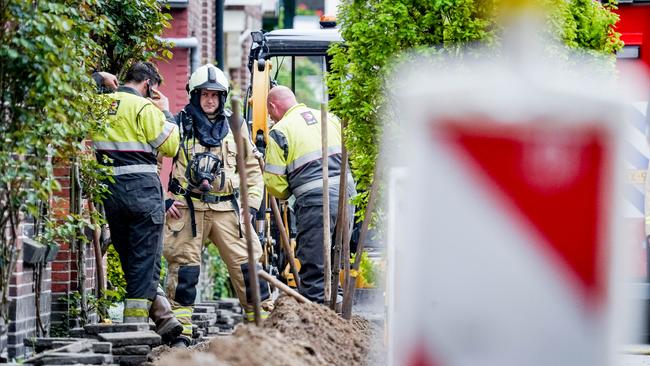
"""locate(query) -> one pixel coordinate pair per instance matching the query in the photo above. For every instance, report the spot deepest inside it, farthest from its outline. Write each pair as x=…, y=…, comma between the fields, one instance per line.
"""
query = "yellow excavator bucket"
x=261, y=87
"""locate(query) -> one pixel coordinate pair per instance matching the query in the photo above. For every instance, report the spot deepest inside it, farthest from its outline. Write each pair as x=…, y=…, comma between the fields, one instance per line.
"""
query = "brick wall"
x=208, y=34
x=176, y=71
x=65, y=268
x=240, y=76
x=65, y=283
x=57, y=281
x=202, y=26
x=23, y=295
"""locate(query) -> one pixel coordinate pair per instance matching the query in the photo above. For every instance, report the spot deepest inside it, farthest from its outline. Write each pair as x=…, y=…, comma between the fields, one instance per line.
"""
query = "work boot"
x=167, y=326
x=136, y=310
x=181, y=342
x=266, y=307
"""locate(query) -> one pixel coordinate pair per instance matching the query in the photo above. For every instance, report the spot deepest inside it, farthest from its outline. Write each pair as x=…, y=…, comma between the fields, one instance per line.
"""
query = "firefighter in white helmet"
x=205, y=202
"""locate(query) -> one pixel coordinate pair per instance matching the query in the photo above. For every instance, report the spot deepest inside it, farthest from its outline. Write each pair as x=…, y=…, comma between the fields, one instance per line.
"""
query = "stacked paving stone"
x=69, y=351
x=130, y=342
x=96, y=344
x=217, y=317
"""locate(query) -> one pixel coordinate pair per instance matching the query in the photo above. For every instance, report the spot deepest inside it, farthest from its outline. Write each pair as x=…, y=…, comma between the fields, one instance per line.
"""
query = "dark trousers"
x=135, y=213
x=309, y=248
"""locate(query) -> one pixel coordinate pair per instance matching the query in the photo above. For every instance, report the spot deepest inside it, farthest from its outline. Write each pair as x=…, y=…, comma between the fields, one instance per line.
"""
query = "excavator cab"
x=299, y=60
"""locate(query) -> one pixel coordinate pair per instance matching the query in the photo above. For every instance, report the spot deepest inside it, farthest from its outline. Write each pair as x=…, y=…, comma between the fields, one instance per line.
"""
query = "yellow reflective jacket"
x=227, y=152
x=137, y=130
x=294, y=163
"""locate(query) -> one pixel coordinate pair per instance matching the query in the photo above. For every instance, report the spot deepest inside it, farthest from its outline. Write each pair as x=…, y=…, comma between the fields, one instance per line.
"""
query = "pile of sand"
x=294, y=334
x=338, y=341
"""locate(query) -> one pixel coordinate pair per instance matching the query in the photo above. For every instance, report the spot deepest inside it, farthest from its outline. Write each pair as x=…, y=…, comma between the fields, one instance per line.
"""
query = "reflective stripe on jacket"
x=137, y=130
x=294, y=151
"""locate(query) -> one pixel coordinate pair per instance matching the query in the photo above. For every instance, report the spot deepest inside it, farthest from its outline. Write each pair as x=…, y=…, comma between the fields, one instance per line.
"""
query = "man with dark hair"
x=138, y=129
x=143, y=71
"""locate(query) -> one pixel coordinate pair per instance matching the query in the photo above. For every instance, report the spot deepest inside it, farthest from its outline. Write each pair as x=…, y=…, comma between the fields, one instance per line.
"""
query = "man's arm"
x=253, y=171
x=159, y=132
x=105, y=79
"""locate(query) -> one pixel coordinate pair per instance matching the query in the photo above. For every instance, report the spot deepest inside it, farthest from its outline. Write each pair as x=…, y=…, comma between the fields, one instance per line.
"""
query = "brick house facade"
x=58, y=280
x=52, y=284
x=196, y=22
x=22, y=302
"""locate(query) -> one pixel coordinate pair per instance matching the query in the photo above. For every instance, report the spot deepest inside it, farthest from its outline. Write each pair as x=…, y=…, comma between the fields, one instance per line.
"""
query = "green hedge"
x=376, y=31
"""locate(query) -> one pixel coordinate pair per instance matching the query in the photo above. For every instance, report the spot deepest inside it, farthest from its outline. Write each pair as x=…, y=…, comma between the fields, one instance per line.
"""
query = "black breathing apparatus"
x=203, y=169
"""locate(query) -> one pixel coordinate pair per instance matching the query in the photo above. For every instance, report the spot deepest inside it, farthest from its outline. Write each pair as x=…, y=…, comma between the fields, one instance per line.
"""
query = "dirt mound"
x=338, y=341
x=250, y=345
x=183, y=355
x=189, y=357
x=179, y=355
x=293, y=335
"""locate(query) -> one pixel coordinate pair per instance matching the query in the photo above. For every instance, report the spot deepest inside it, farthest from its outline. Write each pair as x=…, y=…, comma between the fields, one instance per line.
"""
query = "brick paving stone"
x=222, y=313
x=46, y=342
x=73, y=345
x=200, y=309
x=76, y=332
x=102, y=347
x=121, y=339
x=76, y=349
x=225, y=304
x=130, y=360
x=75, y=358
x=200, y=323
x=202, y=316
x=207, y=303
x=132, y=350
x=94, y=329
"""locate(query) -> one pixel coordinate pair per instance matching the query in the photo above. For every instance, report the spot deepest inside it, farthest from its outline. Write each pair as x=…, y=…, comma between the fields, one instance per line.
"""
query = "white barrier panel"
x=503, y=247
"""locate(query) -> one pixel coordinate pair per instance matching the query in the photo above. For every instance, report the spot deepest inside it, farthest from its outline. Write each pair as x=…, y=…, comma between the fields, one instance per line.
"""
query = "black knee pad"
x=264, y=286
x=188, y=277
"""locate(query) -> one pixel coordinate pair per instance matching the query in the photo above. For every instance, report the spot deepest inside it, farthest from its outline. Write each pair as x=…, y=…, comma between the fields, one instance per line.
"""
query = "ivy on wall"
x=135, y=30
x=49, y=104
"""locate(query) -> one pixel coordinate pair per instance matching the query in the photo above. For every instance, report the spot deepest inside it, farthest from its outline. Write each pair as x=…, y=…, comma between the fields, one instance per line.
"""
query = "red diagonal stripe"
x=421, y=357
x=554, y=181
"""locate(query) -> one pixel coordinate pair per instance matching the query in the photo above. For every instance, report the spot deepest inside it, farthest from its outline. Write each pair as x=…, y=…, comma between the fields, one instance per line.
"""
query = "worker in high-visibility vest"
x=205, y=201
x=294, y=166
x=139, y=126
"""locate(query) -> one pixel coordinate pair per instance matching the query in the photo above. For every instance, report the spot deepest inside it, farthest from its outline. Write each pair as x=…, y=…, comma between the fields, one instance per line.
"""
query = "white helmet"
x=208, y=77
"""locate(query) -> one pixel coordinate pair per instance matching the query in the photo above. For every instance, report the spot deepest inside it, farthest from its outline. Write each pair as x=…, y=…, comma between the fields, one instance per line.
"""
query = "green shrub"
x=219, y=273
x=377, y=31
x=116, y=283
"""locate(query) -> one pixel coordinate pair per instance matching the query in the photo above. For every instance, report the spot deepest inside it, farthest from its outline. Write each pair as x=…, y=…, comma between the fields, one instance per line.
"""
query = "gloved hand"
x=171, y=210
x=253, y=212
